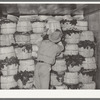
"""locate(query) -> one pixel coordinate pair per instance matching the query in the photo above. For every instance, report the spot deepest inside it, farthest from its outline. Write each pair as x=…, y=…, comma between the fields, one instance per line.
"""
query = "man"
x=48, y=50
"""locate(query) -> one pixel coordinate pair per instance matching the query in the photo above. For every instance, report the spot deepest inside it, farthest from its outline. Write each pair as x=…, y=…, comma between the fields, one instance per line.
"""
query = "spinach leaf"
x=24, y=76
x=74, y=60
x=87, y=43
x=69, y=32
x=9, y=61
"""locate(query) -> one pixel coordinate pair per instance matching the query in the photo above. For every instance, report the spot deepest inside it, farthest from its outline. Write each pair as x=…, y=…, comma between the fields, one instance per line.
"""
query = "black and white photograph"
x=49, y=46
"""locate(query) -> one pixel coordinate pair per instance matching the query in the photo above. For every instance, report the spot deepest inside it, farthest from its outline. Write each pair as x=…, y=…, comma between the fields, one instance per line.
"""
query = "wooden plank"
x=94, y=24
x=98, y=52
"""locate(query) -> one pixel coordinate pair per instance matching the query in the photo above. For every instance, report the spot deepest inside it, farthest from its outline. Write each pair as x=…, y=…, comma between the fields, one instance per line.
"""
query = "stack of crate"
x=79, y=52
x=71, y=55
x=8, y=59
x=86, y=49
x=23, y=49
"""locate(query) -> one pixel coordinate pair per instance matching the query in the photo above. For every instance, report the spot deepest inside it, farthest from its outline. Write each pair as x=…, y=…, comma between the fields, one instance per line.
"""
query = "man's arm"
x=60, y=49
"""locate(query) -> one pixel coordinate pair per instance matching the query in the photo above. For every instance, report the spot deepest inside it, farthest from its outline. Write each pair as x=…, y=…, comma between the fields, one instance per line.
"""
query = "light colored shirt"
x=48, y=51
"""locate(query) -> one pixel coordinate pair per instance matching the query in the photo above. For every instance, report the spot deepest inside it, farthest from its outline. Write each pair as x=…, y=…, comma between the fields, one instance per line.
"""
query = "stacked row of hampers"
x=19, y=42
x=8, y=60
x=23, y=50
x=18, y=49
x=76, y=66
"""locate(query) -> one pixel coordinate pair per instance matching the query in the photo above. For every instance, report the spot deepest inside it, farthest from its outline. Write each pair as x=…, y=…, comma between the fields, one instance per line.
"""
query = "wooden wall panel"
x=94, y=25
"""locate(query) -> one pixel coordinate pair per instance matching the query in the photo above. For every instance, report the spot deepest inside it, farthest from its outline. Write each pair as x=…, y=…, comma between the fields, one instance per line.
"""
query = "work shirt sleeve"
x=60, y=48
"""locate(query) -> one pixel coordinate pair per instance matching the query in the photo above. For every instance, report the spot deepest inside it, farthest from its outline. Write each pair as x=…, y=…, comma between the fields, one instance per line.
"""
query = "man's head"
x=56, y=36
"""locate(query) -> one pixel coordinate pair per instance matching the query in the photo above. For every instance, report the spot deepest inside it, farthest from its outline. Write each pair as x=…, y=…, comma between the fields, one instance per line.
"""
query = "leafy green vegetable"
x=72, y=22
x=74, y=60
x=87, y=43
x=69, y=32
x=37, y=20
x=24, y=76
x=60, y=77
x=8, y=61
x=88, y=72
x=64, y=21
x=72, y=86
x=16, y=77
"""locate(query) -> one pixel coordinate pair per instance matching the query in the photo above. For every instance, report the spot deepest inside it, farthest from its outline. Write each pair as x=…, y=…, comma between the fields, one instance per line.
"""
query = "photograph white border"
x=50, y=93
